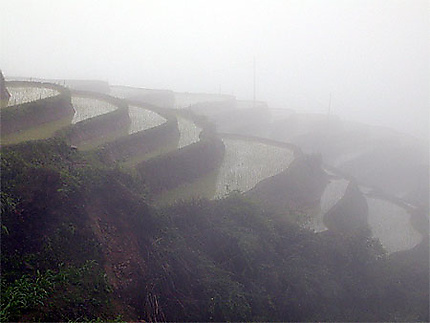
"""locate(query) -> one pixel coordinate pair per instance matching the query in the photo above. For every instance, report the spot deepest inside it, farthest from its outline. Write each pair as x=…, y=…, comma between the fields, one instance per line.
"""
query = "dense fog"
x=371, y=57
x=214, y=161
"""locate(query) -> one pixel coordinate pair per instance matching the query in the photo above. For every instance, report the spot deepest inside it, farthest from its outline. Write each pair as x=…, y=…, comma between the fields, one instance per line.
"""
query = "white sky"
x=373, y=56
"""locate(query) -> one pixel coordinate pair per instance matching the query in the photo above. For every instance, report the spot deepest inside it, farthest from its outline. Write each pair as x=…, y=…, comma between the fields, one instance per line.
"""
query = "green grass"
x=44, y=131
x=131, y=162
x=204, y=187
x=92, y=144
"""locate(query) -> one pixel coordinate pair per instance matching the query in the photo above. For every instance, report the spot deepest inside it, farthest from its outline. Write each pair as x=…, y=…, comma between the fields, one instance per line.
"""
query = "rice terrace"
x=127, y=204
x=215, y=161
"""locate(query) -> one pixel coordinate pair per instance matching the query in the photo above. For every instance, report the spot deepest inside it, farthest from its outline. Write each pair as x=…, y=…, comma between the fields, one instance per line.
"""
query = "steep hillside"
x=135, y=211
x=97, y=249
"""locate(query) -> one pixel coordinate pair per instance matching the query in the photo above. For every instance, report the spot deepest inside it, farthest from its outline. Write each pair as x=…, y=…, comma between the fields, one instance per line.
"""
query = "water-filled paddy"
x=391, y=224
x=86, y=108
x=248, y=162
x=189, y=132
x=24, y=94
x=143, y=119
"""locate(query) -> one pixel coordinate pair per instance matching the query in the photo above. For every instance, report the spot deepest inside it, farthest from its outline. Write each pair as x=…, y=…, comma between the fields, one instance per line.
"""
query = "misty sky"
x=373, y=56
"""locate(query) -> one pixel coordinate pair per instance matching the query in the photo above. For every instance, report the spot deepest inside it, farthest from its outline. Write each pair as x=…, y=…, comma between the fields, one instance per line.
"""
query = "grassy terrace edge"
x=187, y=164
x=22, y=117
x=90, y=133
x=133, y=149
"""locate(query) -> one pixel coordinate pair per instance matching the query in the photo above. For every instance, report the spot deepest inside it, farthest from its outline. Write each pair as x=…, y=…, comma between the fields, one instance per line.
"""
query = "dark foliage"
x=231, y=260
x=52, y=263
x=79, y=242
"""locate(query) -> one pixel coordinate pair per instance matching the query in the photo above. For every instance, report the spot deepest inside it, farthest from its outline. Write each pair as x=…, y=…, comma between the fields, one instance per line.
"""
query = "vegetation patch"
x=203, y=187
x=43, y=131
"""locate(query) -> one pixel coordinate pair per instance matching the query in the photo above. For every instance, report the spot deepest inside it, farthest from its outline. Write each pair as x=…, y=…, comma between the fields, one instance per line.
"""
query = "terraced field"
x=248, y=162
x=189, y=132
x=143, y=119
x=332, y=194
x=245, y=164
x=21, y=94
x=87, y=108
x=391, y=224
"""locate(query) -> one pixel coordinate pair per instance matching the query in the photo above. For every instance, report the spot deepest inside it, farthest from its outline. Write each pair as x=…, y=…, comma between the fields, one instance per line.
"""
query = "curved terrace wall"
x=99, y=128
x=182, y=166
x=295, y=189
x=250, y=160
x=146, y=141
x=24, y=92
x=186, y=164
x=397, y=224
x=350, y=214
x=295, y=149
x=334, y=191
x=32, y=114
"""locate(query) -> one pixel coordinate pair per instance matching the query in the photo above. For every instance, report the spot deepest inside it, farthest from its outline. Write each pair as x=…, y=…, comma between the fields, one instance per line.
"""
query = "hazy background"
x=373, y=56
